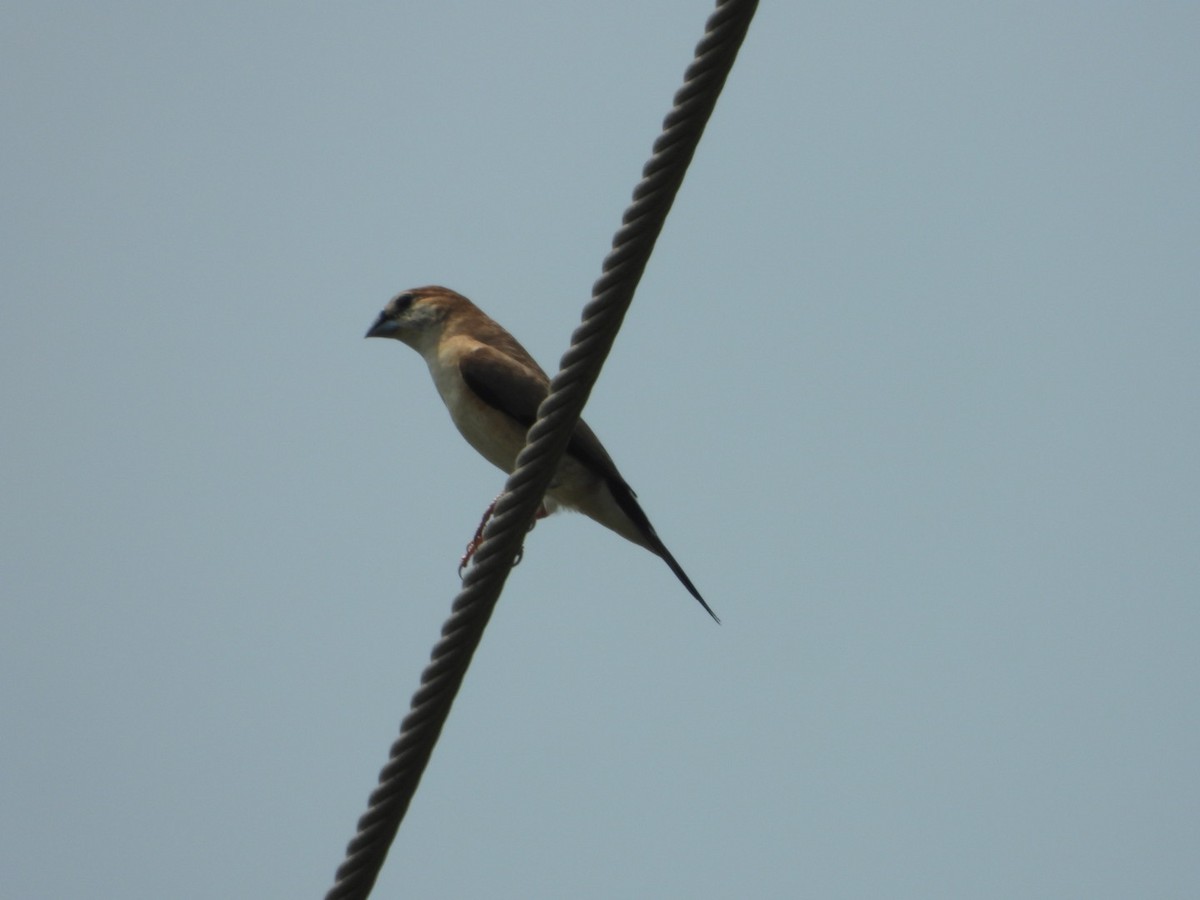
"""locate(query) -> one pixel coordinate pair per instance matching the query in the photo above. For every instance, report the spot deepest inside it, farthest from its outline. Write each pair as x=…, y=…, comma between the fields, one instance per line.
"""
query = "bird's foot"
x=475, y=541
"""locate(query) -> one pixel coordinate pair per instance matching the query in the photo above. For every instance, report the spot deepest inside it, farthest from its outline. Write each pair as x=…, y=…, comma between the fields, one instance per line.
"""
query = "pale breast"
x=495, y=436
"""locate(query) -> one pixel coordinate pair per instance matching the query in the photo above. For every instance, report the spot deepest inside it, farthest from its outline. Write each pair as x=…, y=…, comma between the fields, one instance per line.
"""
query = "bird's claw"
x=466, y=557
x=475, y=541
x=470, y=552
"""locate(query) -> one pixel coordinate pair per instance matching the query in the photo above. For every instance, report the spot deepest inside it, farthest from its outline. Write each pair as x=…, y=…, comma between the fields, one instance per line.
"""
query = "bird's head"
x=428, y=318
x=418, y=316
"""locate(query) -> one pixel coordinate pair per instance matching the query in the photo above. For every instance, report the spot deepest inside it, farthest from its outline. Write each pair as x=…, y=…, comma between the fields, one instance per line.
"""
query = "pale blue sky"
x=910, y=389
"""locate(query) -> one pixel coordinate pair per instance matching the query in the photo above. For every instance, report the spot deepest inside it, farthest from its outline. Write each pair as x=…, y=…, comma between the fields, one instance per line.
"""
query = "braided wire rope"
x=546, y=441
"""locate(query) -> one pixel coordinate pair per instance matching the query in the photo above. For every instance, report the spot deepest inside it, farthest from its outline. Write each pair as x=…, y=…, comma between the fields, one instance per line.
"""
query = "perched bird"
x=493, y=388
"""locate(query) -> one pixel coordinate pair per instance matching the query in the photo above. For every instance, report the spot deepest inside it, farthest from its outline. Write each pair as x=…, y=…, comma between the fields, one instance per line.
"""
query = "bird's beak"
x=383, y=327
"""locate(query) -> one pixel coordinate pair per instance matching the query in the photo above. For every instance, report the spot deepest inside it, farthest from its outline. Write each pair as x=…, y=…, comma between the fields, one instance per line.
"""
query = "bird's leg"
x=541, y=513
x=474, y=543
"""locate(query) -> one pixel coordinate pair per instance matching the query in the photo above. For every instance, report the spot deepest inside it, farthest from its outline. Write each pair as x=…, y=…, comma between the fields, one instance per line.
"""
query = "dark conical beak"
x=383, y=327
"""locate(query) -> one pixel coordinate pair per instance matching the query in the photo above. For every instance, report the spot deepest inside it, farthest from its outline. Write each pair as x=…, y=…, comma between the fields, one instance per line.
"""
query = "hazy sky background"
x=910, y=389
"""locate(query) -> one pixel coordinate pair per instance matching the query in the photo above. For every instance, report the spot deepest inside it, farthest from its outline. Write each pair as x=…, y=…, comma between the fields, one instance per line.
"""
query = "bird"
x=492, y=388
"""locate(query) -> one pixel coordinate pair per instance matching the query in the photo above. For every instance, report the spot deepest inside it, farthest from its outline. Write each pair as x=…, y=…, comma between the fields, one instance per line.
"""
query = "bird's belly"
x=495, y=436
x=499, y=439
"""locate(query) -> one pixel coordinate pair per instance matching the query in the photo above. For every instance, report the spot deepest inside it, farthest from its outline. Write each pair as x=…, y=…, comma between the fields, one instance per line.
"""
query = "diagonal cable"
x=545, y=443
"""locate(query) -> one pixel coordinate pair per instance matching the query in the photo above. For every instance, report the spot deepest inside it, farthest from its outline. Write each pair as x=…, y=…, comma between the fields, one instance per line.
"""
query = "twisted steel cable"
x=545, y=443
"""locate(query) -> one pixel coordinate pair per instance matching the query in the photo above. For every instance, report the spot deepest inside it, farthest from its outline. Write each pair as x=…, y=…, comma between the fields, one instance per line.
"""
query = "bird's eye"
x=401, y=302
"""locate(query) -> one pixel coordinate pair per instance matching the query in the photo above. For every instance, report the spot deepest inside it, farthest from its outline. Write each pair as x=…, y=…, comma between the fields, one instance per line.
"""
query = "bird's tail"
x=626, y=499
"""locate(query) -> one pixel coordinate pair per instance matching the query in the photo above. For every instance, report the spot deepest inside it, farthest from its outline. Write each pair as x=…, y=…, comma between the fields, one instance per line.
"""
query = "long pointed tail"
x=626, y=499
x=662, y=551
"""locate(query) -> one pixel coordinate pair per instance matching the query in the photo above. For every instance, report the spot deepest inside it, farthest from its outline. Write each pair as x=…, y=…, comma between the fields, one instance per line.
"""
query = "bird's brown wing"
x=505, y=385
